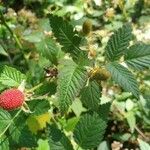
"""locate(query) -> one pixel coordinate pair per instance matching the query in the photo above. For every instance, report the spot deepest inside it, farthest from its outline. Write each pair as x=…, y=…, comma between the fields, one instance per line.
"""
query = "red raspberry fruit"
x=11, y=99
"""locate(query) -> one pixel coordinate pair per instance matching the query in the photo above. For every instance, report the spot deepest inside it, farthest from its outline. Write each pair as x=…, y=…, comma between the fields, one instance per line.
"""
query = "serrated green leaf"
x=20, y=134
x=118, y=42
x=124, y=78
x=143, y=145
x=48, y=48
x=15, y=132
x=89, y=131
x=39, y=107
x=71, y=79
x=138, y=56
x=90, y=95
x=63, y=31
x=4, y=143
x=10, y=76
x=103, y=110
x=16, y=127
x=22, y=137
x=66, y=36
x=58, y=140
x=5, y=119
x=27, y=139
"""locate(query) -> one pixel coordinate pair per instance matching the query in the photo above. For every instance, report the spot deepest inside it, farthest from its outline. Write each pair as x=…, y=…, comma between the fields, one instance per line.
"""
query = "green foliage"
x=119, y=42
x=43, y=145
x=58, y=140
x=34, y=37
x=124, y=78
x=10, y=76
x=138, y=56
x=21, y=136
x=70, y=100
x=71, y=79
x=71, y=123
x=4, y=143
x=39, y=106
x=103, y=145
x=2, y=51
x=77, y=107
x=5, y=120
x=27, y=139
x=131, y=120
x=66, y=36
x=143, y=145
x=90, y=95
x=48, y=49
x=103, y=110
x=122, y=137
x=89, y=131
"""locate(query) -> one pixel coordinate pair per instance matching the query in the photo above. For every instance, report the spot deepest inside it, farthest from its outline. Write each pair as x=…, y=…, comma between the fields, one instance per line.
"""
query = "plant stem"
x=77, y=147
x=3, y=21
x=39, y=97
x=11, y=121
x=11, y=32
x=35, y=87
x=140, y=132
x=54, y=120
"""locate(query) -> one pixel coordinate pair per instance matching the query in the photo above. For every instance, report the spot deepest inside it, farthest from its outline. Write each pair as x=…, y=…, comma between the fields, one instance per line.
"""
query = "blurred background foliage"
x=129, y=118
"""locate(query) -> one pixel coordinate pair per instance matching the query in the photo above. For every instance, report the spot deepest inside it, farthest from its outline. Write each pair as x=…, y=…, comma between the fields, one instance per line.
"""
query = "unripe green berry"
x=87, y=27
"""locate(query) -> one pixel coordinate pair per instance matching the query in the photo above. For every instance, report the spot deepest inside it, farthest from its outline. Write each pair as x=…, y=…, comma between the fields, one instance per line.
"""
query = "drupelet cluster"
x=11, y=99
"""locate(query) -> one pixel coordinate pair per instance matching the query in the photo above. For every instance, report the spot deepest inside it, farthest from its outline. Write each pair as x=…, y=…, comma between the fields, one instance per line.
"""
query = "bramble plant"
x=63, y=102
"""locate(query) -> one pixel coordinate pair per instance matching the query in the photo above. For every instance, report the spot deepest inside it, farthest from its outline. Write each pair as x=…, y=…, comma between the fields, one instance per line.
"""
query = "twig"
x=140, y=132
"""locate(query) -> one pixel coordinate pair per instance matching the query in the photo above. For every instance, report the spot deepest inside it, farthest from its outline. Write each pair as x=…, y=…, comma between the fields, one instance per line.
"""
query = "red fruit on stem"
x=11, y=99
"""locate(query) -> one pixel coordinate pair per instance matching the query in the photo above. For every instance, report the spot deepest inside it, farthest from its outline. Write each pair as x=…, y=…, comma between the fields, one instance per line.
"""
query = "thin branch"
x=140, y=132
